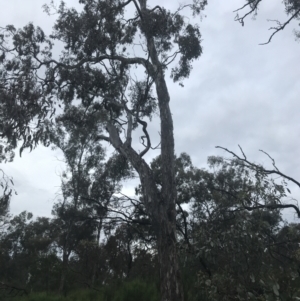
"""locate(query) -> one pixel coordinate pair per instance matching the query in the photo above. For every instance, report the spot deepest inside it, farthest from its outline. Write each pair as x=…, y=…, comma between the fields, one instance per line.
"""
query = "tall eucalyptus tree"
x=96, y=70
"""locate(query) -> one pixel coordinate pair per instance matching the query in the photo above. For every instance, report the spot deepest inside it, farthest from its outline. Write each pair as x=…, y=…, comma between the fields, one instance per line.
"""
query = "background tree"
x=88, y=184
x=28, y=253
x=235, y=250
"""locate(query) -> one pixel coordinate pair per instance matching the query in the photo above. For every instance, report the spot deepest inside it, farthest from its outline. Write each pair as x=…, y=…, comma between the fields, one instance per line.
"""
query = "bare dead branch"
x=180, y=8
x=258, y=205
x=157, y=146
x=243, y=152
x=273, y=207
x=172, y=57
x=253, y=5
x=280, y=26
x=273, y=161
x=259, y=168
x=253, y=9
x=262, y=170
x=144, y=124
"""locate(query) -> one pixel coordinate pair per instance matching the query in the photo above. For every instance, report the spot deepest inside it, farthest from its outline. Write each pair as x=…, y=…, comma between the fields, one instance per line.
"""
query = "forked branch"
x=148, y=145
x=253, y=4
x=259, y=168
x=280, y=26
x=257, y=204
x=273, y=207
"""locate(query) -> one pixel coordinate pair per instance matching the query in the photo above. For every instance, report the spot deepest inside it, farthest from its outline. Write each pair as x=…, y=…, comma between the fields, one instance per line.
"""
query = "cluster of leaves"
x=241, y=253
x=24, y=104
x=93, y=68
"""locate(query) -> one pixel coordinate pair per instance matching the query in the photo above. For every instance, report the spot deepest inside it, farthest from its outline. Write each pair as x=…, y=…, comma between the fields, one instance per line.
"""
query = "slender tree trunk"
x=129, y=262
x=95, y=267
x=63, y=273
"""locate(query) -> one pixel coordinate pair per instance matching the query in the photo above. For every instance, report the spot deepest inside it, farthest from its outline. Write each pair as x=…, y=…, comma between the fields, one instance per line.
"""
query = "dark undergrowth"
x=127, y=291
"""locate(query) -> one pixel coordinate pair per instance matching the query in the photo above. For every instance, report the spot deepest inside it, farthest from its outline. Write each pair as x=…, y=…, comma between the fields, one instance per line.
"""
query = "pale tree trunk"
x=129, y=261
x=63, y=275
x=65, y=261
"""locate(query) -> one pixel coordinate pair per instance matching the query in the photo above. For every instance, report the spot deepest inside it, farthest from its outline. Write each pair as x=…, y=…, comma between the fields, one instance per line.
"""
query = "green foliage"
x=241, y=253
x=136, y=291
x=94, y=68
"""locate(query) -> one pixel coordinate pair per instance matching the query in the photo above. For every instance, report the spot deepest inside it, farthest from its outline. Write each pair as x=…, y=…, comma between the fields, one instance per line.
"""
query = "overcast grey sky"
x=238, y=93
